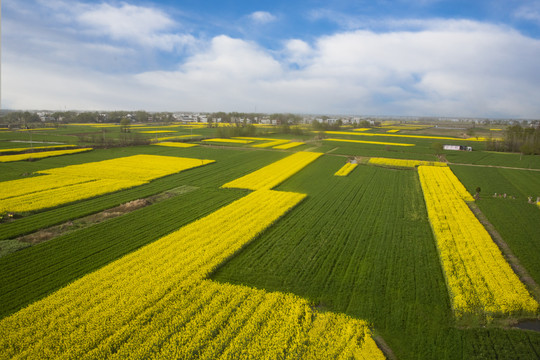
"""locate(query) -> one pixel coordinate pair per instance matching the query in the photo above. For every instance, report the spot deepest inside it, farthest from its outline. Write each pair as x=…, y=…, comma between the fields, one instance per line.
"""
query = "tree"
x=125, y=125
x=477, y=195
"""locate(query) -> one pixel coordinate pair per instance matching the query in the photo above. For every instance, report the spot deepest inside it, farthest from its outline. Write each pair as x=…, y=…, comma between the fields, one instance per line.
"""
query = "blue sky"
x=379, y=57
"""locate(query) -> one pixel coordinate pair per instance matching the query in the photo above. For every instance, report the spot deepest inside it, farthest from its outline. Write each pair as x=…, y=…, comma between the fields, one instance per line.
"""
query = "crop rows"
x=76, y=182
x=368, y=142
x=514, y=218
x=229, y=165
x=275, y=173
x=55, y=263
x=362, y=245
x=139, y=302
x=288, y=146
x=401, y=163
x=399, y=136
x=359, y=245
x=175, y=144
x=345, y=169
x=11, y=150
x=479, y=279
x=40, y=155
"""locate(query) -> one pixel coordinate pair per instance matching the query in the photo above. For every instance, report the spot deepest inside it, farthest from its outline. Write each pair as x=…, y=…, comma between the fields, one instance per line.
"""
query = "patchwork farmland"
x=271, y=247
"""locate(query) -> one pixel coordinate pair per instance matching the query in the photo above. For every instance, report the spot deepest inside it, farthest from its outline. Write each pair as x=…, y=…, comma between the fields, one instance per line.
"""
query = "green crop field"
x=359, y=245
x=362, y=245
x=514, y=218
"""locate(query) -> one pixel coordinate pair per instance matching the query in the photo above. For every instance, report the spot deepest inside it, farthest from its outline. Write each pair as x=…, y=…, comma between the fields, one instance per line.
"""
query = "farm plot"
x=362, y=245
x=345, y=169
x=155, y=302
x=480, y=281
x=54, y=264
x=513, y=217
x=372, y=150
x=369, y=142
x=40, y=155
x=92, y=179
x=401, y=163
x=229, y=165
x=494, y=158
x=274, y=174
x=48, y=147
x=359, y=245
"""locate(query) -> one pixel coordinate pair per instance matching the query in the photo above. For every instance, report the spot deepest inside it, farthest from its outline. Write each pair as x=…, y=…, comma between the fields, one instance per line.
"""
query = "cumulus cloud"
x=468, y=70
x=137, y=24
x=414, y=67
x=298, y=51
x=262, y=17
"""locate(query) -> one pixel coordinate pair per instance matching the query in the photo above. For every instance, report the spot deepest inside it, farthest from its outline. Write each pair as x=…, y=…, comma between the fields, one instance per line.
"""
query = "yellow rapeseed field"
x=275, y=173
x=403, y=163
x=271, y=143
x=345, y=169
x=3, y=151
x=75, y=182
x=232, y=141
x=289, y=145
x=175, y=144
x=369, y=142
x=157, y=303
x=479, y=279
x=40, y=155
x=399, y=135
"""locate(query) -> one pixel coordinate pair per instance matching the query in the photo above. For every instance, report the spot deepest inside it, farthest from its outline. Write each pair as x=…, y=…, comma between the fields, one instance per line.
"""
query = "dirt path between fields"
x=495, y=166
x=381, y=344
x=87, y=221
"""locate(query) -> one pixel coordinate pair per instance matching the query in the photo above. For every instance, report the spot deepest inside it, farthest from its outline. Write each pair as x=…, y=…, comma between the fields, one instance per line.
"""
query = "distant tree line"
x=27, y=118
x=516, y=138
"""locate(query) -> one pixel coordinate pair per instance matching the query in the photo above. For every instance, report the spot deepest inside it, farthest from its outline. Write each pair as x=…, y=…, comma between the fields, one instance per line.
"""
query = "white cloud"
x=529, y=11
x=262, y=17
x=298, y=52
x=136, y=24
x=419, y=67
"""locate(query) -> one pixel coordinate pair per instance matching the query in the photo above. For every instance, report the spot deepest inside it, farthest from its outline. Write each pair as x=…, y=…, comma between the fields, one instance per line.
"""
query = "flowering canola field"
x=403, y=163
x=75, y=182
x=175, y=144
x=233, y=141
x=369, y=142
x=40, y=155
x=274, y=174
x=157, y=303
x=345, y=169
x=401, y=136
x=289, y=145
x=10, y=150
x=479, y=279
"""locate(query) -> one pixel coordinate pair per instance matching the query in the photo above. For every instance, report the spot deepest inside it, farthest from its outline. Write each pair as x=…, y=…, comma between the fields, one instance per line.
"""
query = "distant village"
x=7, y=117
